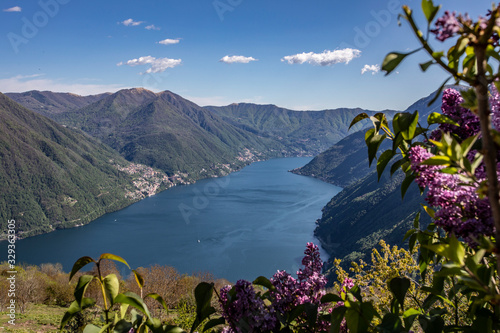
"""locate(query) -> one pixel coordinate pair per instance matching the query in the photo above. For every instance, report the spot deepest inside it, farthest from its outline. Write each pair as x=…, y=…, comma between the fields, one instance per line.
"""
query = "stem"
x=106, y=310
x=489, y=149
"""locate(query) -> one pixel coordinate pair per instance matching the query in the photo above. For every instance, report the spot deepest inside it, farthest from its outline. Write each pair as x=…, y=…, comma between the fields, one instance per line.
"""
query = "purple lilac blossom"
x=495, y=107
x=248, y=309
x=460, y=210
x=446, y=26
x=468, y=122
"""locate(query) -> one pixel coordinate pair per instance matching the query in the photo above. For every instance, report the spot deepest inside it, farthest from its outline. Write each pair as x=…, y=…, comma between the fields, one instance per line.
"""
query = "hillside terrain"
x=62, y=176
x=366, y=210
x=166, y=131
x=54, y=177
x=49, y=103
x=309, y=132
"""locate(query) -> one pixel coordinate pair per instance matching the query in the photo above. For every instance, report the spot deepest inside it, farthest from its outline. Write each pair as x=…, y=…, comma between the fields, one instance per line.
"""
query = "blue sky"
x=303, y=55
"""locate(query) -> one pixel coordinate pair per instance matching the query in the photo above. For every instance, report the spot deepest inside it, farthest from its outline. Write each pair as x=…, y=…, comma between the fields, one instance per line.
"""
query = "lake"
x=250, y=223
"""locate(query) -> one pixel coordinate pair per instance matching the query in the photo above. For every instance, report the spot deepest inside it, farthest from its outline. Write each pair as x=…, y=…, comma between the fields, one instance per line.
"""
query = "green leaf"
x=74, y=308
x=264, y=282
x=213, y=323
x=438, y=118
x=330, y=298
x=358, y=118
x=79, y=264
x=379, y=121
x=411, y=242
x=355, y=321
x=454, y=251
x=409, y=316
x=336, y=318
x=399, y=287
x=397, y=165
x=133, y=300
x=406, y=184
x=429, y=211
x=382, y=161
x=373, y=141
x=429, y=10
x=424, y=66
x=81, y=287
x=392, y=60
x=138, y=278
x=159, y=299
x=416, y=221
x=203, y=295
x=406, y=123
x=103, y=329
x=90, y=328
x=437, y=160
x=391, y=324
x=113, y=257
x=111, y=286
x=470, y=99
x=311, y=311
x=434, y=324
x=122, y=326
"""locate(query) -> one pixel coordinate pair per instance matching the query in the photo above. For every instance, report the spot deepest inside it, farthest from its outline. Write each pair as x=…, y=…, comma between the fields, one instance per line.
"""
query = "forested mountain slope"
x=54, y=177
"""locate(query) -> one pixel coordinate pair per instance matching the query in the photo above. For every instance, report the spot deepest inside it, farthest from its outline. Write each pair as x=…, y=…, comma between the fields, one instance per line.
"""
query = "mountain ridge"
x=55, y=177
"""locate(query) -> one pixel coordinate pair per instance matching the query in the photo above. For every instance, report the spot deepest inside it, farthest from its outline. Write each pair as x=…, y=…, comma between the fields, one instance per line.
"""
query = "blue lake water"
x=250, y=223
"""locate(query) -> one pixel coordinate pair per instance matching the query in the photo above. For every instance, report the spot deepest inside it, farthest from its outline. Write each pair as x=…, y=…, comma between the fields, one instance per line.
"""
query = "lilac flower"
x=446, y=26
x=468, y=122
x=247, y=309
x=495, y=107
x=460, y=211
x=247, y=312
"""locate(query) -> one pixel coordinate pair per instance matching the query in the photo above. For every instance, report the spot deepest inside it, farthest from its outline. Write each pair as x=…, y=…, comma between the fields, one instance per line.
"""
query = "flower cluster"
x=495, y=107
x=247, y=312
x=468, y=122
x=460, y=210
x=245, y=308
x=446, y=26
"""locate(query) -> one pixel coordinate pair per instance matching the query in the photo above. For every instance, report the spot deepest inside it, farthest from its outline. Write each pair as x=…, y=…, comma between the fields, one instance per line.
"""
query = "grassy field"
x=37, y=318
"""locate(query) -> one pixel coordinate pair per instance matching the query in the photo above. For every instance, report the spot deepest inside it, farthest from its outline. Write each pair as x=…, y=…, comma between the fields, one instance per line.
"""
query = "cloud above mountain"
x=13, y=9
x=237, y=59
x=370, y=68
x=169, y=41
x=131, y=23
x=326, y=58
x=158, y=65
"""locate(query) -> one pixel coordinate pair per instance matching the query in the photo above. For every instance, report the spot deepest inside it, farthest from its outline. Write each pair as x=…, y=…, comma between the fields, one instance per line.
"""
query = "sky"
x=297, y=54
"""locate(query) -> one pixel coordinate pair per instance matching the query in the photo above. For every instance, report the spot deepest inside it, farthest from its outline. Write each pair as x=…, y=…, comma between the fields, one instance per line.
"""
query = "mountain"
x=166, y=131
x=49, y=103
x=308, y=131
x=55, y=177
x=347, y=161
x=366, y=210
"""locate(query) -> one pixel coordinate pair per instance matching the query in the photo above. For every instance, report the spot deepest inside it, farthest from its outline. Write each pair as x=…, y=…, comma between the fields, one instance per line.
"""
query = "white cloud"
x=169, y=41
x=13, y=9
x=237, y=59
x=131, y=22
x=158, y=65
x=326, y=58
x=22, y=83
x=370, y=68
x=152, y=27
